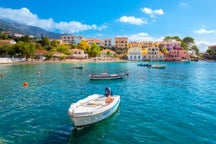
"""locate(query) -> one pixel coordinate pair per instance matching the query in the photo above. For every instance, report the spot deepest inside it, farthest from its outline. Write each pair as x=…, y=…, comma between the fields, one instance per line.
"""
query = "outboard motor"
x=108, y=91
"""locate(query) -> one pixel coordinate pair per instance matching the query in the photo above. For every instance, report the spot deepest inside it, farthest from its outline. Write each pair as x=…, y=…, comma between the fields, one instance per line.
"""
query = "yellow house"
x=153, y=54
x=107, y=53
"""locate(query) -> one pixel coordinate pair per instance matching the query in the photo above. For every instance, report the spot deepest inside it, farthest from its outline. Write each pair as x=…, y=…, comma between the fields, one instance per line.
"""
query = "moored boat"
x=106, y=76
x=92, y=109
x=186, y=60
x=145, y=65
x=76, y=66
x=157, y=66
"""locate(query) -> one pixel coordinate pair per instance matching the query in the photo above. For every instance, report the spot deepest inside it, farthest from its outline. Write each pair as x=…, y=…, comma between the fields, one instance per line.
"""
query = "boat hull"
x=91, y=117
x=106, y=76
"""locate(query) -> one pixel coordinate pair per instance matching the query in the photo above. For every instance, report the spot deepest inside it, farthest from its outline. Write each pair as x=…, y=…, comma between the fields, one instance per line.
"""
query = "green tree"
x=24, y=49
x=172, y=38
x=73, y=45
x=4, y=36
x=164, y=50
x=211, y=54
x=10, y=50
x=108, y=53
x=24, y=38
x=187, y=42
x=64, y=49
x=54, y=43
x=94, y=50
x=44, y=42
x=38, y=46
x=194, y=47
x=3, y=50
x=84, y=45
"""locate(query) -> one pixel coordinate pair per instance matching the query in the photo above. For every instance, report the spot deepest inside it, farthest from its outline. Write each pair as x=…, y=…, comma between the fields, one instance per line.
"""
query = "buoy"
x=38, y=72
x=25, y=84
x=2, y=75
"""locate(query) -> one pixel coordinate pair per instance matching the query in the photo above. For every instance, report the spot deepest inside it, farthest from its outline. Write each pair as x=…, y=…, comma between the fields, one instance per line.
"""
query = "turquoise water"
x=173, y=105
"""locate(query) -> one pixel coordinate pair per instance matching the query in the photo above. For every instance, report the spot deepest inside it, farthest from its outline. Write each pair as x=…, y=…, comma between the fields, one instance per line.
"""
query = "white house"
x=79, y=54
x=135, y=53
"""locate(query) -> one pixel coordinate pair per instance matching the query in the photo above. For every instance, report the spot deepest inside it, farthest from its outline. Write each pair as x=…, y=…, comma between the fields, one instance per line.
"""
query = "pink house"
x=172, y=44
x=176, y=55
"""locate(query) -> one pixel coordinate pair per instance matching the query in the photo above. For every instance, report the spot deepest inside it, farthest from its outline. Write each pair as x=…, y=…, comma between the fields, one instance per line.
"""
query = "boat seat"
x=97, y=103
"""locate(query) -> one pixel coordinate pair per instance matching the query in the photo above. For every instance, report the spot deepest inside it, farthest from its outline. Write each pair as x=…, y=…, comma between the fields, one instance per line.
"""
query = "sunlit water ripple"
x=173, y=105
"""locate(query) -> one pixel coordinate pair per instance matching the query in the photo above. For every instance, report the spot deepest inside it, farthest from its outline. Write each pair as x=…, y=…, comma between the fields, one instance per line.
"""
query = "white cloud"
x=204, y=31
x=132, y=20
x=24, y=16
x=183, y=4
x=142, y=36
x=203, y=45
x=151, y=12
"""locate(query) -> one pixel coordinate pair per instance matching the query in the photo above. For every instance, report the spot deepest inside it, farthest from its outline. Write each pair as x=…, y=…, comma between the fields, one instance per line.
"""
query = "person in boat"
x=108, y=94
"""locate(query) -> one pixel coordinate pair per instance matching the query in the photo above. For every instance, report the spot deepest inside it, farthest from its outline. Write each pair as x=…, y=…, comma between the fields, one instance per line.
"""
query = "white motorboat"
x=92, y=109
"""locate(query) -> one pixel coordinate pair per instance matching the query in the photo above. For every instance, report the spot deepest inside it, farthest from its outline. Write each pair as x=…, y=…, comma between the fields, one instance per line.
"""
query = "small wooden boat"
x=92, y=109
x=158, y=66
x=106, y=76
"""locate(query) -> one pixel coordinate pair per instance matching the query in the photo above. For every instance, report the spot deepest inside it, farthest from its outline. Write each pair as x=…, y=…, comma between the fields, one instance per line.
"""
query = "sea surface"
x=176, y=105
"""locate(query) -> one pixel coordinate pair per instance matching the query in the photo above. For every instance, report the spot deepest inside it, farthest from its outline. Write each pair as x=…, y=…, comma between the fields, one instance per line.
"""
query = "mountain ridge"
x=12, y=26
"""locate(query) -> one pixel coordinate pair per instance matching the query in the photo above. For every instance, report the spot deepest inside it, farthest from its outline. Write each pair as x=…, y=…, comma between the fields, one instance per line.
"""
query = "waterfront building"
x=176, y=55
x=147, y=44
x=40, y=54
x=71, y=39
x=121, y=42
x=135, y=54
x=213, y=47
x=121, y=46
x=99, y=42
x=135, y=44
x=171, y=45
x=107, y=53
x=153, y=54
x=78, y=54
x=108, y=42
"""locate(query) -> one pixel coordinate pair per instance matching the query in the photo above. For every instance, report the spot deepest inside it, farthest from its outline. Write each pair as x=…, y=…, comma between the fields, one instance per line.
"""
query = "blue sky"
x=139, y=20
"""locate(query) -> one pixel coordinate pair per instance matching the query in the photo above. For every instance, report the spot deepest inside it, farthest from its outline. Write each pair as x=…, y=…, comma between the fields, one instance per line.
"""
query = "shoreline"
x=63, y=61
x=77, y=61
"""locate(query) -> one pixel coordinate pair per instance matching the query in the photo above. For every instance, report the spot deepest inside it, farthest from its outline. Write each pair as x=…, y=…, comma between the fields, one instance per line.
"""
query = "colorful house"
x=171, y=44
x=153, y=54
x=108, y=42
x=107, y=53
x=99, y=42
x=78, y=54
x=135, y=53
x=40, y=54
x=177, y=55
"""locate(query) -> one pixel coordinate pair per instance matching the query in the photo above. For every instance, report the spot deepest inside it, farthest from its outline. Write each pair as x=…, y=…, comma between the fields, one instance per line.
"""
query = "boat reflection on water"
x=95, y=131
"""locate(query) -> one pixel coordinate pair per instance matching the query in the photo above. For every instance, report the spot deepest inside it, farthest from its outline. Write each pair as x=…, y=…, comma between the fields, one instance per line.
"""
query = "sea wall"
x=11, y=60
